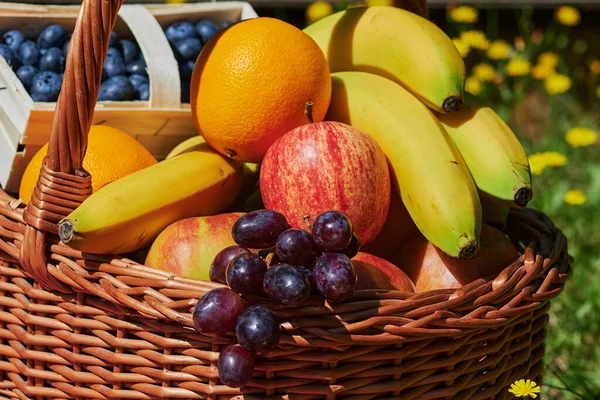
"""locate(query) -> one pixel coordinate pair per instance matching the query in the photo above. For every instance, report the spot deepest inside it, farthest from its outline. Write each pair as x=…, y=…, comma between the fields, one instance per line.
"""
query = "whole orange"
x=252, y=83
x=111, y=154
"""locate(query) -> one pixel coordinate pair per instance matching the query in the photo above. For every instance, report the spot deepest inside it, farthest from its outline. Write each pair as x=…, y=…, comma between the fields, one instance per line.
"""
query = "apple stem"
x=306, y=219
x=308, y=107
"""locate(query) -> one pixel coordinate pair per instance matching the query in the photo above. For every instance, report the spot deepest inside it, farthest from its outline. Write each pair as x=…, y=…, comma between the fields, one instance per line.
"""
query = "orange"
x=251, y=84
x=111, y=154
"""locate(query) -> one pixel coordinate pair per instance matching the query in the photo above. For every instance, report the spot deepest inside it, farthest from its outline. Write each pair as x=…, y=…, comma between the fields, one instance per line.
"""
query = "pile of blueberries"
x=186, y=40
x=40, y=65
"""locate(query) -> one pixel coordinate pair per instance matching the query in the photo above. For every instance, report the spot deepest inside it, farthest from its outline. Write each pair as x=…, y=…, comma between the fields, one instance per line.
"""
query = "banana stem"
x=65, y=231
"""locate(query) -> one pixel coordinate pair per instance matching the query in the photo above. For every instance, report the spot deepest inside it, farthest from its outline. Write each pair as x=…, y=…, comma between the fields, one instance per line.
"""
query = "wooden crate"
x=159, y=124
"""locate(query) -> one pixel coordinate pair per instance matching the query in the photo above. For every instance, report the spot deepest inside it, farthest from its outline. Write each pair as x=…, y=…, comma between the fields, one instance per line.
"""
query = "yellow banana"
x=495, y=158
x=398, y=45
x=127, y=214
x=434, y=182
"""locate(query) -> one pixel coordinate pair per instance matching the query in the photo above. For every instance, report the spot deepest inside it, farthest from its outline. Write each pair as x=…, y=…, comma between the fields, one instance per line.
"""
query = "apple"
x=431, y=269
x=376, y=273
x=187, y=247
x=327, y=166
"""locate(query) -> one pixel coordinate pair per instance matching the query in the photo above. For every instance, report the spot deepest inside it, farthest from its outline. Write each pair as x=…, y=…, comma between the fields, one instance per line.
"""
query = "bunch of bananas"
x=399, y=78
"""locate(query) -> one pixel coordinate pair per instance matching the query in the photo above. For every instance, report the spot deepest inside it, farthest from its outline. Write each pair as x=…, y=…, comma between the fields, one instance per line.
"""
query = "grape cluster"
x=283, y=263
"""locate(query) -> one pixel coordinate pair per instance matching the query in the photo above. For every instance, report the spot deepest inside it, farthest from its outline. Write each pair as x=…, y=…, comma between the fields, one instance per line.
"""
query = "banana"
x=398, y=45
x=495, y=158
x=127, y=214
x=427, y=169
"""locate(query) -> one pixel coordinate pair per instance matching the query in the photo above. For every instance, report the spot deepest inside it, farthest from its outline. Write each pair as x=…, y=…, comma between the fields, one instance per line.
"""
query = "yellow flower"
x=574, y=197
x=518, y=66
x=556, y=84
x=539, y=161
x=464, y=14
x=568, y=15
x=317, y=10
x=595, y=66
x=473, y=85
x=580, y=136
x=548, y=58
x=483, y=71
x=499, y=50
x=542, y=71
x=462, y=47
x=522, y=388
x=475, y=39
x=373, y=3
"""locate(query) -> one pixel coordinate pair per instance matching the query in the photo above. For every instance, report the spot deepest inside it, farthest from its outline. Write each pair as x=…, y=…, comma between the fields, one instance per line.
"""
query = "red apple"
x=328, y=166
x=430, y=268
x=188, y=246
x=376, y=273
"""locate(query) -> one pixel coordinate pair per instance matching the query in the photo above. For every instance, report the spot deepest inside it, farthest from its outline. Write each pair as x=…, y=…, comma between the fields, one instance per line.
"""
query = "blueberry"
x=53, y=60
x=117, y=88
x=185, y=70
x=43, y=51
x=180, y=30
x=13, y=39
x=45, y=86
x=114, y=38
x=25, y=73
x=206, y=29
x=129, y=50
x=185, y=92
x=137, y=80
x=29, y=53
x=9, y=56
x=144, y=92
x=113, y=64
x=65, y=46
x=137, y=67
x=227, y=23
x=52, y=36
x=188, y=48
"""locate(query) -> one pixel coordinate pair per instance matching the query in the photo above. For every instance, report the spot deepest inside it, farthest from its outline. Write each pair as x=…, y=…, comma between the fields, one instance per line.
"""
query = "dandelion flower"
x=522, y=388
x=463, y=48
x=568, y=15
x=518, y=66
x=539, y=161
x=574, y=197
x=548, y=58
x=499, y=50
x=595, y=66
x=485, y=72
x=557, y=84
x=473, y=85
x=317, y=10
x=555, y=159
x=580, y=136
x=464, y=14
x=542, y=71
x=475, y=39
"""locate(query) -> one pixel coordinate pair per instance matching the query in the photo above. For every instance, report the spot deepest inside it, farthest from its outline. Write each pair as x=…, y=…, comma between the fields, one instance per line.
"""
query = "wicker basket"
x=79, y=326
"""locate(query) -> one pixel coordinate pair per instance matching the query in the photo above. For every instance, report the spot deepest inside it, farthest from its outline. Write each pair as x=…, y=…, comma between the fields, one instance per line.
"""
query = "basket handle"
x=63, y=183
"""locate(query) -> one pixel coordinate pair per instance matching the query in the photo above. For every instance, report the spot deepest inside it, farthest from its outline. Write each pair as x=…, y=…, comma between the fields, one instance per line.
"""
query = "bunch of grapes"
x=283, y=263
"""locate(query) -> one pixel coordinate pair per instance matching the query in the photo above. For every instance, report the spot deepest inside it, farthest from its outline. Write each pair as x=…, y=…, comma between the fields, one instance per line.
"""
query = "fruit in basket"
x=236, y=365
x=353, y=247
x=180, y=30
x=113, y=64
x=376, y=273
x=242, y=108
x=53, y=60
x=25, y=73
x=143, y=92
x=431, y=269
x=52, y=36
x=28, y=53
x=259, y=229
x=117, y=88
x=335, y=277
x=191, y=144
x=111, y=154
x=245, y=274
x=9, y=56
x=129, y=50
x=398, y=45
x=188, y=49
x=434, y=182
x=206, y=29
x=218, y=267
x=217, y=312
x=492, y=152
x=13, y=39
x=332, y=231
x=297, y=247
x=287, y=283
x=328, y=166
x=258, y=330
x=45, y=86
x=138, y=80
x=188, y=247
x=128, y=214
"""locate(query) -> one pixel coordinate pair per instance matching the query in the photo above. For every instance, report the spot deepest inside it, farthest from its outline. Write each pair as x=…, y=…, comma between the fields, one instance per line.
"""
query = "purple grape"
x=332, y=231
x=217, y=312
x=335, y=277
x=259, y=229
x=296, y=246
x=257, y=330
x=245, y=273
x=236, y=365
x=222, y=259
x=354, y=247
x=287, y=283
